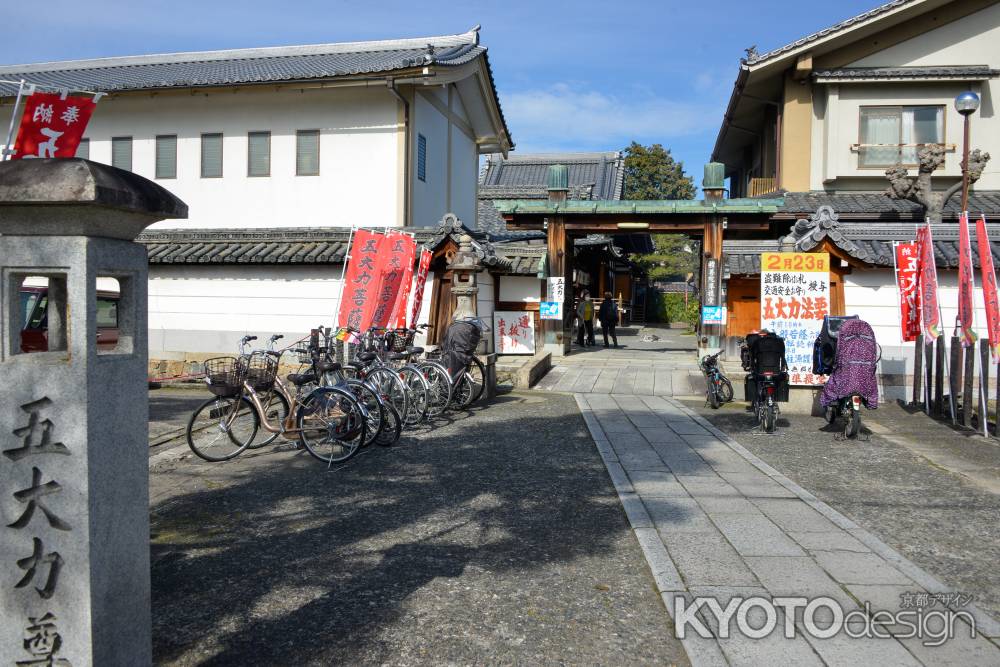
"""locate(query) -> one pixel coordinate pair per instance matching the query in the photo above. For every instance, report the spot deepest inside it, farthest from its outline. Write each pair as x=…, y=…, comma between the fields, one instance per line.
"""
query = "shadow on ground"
x=495, y=536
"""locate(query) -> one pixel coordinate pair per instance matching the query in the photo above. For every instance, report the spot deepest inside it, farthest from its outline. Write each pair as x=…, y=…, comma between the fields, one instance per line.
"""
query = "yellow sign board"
x=795, y=261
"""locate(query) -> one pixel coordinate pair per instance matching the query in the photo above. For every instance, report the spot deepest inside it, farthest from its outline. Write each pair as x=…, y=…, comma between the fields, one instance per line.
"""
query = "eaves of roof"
x=683, y=206
x=937, y=73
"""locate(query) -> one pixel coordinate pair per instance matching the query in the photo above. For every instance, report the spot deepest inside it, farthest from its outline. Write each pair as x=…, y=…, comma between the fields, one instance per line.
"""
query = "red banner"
x=361, y=281
x=907, y=263
x=989, y=281
x=418, y=289
x=930, y=313
x=397, y=254
x=398, y=319
x=966, y=285
x=51, y=126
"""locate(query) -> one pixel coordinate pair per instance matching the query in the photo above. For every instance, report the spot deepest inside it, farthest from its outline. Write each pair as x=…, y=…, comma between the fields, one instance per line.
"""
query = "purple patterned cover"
x=854, y=365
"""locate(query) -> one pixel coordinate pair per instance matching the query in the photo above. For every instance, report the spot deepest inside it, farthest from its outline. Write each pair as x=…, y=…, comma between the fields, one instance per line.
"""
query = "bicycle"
x=720, y=389
x=405, y=388
x=329, y=421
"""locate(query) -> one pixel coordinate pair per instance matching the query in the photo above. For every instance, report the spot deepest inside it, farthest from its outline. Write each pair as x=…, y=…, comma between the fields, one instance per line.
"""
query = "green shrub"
x=670, y=308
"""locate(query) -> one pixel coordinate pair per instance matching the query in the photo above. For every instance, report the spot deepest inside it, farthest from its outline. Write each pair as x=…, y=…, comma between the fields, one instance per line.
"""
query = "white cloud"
x=572, y=115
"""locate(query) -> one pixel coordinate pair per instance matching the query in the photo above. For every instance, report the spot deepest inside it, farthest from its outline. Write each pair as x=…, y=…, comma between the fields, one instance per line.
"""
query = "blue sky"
x=580, y=75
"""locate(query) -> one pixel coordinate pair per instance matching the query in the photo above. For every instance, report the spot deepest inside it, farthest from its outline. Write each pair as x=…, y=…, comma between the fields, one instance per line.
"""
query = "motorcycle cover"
x=854, y=365
x=459, y=345
x=825, y=348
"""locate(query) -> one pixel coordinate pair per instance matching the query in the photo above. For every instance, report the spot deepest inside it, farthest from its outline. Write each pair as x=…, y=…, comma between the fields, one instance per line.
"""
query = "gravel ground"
x=495, y=538
x=940, y=520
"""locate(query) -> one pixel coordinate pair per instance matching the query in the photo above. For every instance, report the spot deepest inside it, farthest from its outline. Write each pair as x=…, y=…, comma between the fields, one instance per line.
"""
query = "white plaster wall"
x=464, y=176
x=359, y=160
x=430, y=197
x=969, y=41
x=520, y=288
x=208, y=308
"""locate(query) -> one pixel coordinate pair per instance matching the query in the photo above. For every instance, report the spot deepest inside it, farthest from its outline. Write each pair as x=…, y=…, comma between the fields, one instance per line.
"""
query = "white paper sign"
x=513, y=332
x=557, y=289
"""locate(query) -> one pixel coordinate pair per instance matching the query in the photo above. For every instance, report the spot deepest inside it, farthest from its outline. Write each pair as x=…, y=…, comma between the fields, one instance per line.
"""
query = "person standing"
x=608, y=315
x=585, y=311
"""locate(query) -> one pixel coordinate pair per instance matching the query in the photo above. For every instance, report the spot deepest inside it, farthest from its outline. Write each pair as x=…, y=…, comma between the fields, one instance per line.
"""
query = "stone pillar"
x=74, y=475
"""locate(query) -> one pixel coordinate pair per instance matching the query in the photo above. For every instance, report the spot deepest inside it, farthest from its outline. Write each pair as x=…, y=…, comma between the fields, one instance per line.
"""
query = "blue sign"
x=712, y=314
x=550, y=310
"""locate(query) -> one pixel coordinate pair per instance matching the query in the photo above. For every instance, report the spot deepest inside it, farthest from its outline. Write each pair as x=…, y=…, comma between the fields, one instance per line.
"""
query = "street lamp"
x=966, y=104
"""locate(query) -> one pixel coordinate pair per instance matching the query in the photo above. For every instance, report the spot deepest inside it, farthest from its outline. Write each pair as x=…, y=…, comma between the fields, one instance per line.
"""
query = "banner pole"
x=343, y=272
x=8, y=150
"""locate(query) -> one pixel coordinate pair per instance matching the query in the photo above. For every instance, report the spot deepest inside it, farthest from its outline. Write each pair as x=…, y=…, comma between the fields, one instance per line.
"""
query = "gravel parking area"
x=496, y=537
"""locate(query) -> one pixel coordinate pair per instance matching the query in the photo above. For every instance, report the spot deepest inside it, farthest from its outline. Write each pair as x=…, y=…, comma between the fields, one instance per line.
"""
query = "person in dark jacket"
x=608, y=316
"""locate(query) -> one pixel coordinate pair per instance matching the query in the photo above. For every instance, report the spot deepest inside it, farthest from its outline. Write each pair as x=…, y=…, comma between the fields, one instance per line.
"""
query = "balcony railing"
x=762, y=186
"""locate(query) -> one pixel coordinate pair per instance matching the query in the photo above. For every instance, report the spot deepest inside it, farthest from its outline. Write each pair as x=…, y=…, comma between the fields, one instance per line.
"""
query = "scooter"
x=848, y=407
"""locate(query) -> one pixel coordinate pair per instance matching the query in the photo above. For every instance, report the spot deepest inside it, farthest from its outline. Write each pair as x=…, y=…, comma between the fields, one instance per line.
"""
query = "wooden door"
x=743, y=295
x=442, y=308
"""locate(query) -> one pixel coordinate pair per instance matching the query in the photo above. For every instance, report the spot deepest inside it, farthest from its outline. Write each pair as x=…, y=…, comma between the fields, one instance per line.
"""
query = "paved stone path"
x=713, y=519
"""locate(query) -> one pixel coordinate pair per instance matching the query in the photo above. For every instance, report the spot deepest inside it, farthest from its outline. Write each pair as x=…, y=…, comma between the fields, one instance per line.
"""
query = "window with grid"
x=211, y=155
x=259, y=154
x=307, y=153
x=893, y=135
x=166, y=156
x=422, y=157
x=121, y=152
x=83, y=149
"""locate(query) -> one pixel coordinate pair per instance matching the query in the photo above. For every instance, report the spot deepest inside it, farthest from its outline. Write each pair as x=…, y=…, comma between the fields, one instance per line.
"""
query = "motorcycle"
x=848, y=407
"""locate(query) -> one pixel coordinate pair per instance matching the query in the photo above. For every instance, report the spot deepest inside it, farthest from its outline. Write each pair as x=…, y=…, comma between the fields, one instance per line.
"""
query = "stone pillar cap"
x=77, y=197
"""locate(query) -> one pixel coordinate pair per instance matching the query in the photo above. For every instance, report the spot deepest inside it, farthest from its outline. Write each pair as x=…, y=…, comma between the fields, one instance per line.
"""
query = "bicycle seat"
x=299, y=379
x=415, y=350
x=399, y=356
x=366, y=356
x=357, y=365
x=328, y=366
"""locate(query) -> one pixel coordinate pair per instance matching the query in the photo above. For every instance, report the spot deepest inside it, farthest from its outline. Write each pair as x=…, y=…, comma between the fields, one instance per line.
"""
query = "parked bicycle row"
x=845, y=351
x=336, y=403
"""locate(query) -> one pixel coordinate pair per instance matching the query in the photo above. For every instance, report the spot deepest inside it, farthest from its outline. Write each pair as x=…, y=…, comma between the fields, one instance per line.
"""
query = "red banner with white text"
x=989, y=282
x=52, y=126
x=361, y=281
x=930, y=313
x=398, y=319
x=966, y=285
x=907, y=263
x=418, y=288
x=397, y=253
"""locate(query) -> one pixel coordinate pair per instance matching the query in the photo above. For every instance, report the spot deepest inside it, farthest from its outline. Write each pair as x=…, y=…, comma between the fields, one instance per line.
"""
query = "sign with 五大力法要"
x=557, y=289
x=794, y=299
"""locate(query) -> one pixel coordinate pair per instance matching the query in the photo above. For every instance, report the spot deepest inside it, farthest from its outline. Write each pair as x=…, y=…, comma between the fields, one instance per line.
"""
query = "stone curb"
x=985, y=624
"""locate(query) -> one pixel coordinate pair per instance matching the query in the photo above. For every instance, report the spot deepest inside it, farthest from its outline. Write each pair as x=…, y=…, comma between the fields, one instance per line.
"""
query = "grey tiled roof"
x=940, y=72
x=879, y=205
x=843, y=25
x=248, y=66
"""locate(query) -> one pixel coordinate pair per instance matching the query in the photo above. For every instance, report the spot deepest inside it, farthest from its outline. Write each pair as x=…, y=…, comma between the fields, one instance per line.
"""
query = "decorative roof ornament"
x=752, y=54
x=824, y=224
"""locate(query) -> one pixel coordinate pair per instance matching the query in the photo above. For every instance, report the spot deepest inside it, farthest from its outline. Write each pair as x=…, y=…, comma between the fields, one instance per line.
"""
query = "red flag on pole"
x=398, y=319
x=52, y=126
x=930, y=319
x=989, y=283
x=907, y=261
x=397, y=253
x=966, y=285
x=361, y=281
x=418, y=289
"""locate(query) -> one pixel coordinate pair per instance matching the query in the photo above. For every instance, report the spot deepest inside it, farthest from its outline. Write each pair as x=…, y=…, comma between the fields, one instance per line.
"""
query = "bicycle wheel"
x=477, y=375
x=462, y=395
x=390, y=387
x=392, y=428
x=275, y=413
x=725, y=390
x=417, y=394
x=221, y=428
x=440, y=387
x=332, y=424
x=373, y=405
x=769, y=419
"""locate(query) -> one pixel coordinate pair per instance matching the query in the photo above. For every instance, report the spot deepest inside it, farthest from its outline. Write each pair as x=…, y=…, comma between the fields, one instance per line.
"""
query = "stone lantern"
x=74, y=471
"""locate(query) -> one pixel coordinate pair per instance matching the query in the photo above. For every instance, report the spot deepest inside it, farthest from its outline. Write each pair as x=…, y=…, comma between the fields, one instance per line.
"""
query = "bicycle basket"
x=225, y=375
x=398, y=341
x=261, y=371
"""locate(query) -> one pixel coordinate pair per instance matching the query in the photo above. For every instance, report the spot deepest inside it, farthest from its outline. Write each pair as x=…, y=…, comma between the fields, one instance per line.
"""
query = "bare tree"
x=919, y=188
